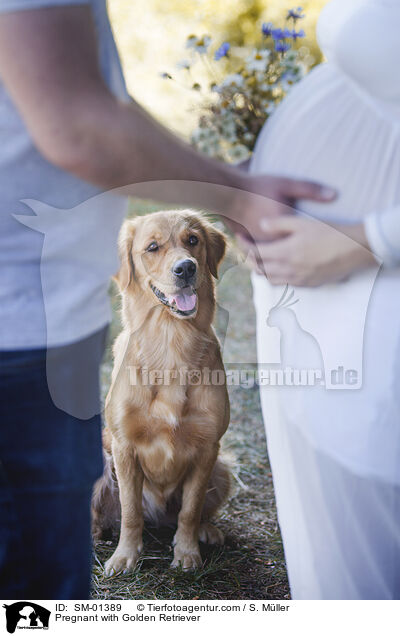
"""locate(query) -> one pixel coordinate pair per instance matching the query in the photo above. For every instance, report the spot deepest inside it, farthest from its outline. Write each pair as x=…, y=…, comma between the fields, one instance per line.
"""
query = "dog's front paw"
x=122, y=560
x=189, y=559
x=208, y=533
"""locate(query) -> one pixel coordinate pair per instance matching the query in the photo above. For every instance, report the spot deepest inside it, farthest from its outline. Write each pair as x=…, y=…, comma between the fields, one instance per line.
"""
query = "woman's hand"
x=305, y=252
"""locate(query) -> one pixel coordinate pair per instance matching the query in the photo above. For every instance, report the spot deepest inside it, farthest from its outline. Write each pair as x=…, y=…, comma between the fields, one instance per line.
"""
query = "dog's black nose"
x=185, y=270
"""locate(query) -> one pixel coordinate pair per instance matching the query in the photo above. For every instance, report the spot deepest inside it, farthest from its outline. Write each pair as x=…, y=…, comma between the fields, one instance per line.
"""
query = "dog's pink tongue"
x=185, y=301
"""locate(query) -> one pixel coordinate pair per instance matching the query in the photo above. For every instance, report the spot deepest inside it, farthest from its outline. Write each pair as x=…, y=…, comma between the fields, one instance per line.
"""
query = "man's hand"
x=264, y=197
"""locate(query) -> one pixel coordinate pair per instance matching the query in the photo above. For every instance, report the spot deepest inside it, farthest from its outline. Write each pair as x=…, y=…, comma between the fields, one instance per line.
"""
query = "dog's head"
x=169, y=256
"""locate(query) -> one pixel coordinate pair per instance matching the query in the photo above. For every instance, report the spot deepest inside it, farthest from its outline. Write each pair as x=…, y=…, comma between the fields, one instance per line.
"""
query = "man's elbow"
x=68, y=149
x=83, y=145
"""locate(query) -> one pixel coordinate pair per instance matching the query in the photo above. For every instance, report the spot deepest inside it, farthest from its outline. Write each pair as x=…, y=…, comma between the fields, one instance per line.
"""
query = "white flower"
x=258, y=60
x=301, y=70
x=249, y=137
x=288, y=80
x=269, y=109
x=200, y=45
x=238, y=153
x=290, y=58
x=197, y=135
x=183, y=64
x=285, y=85
x=212, y=150
x=260, y=77
x=228, y=127
x=191, y=41
x=230, y=138
x=235, y=80
x=204, y=135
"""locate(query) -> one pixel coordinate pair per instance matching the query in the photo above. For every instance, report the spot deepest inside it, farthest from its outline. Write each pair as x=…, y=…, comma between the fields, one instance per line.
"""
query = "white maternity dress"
x=334, y=445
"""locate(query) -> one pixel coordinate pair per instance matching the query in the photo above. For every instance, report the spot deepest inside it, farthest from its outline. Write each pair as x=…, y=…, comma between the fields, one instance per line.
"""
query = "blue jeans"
x=49, y=460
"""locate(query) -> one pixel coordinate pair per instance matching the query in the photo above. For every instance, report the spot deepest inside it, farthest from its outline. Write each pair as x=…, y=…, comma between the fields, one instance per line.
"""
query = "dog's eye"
x=193, y=240
x=153, y=247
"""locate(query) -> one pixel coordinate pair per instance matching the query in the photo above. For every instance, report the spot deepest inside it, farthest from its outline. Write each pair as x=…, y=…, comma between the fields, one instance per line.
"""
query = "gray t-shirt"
x=54, y=267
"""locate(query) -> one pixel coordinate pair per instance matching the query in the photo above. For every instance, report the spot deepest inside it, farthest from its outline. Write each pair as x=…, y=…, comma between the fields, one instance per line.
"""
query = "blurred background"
x=151, y=39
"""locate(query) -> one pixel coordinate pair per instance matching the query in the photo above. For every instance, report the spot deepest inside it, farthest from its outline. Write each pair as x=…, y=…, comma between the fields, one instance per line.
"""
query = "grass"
x=251, y=563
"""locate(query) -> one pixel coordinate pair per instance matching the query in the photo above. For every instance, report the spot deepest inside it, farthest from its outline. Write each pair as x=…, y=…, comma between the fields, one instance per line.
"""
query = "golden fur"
x=162, y=440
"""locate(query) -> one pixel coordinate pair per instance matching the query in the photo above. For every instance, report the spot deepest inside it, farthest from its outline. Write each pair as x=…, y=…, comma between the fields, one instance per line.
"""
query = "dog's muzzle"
x=182, y=302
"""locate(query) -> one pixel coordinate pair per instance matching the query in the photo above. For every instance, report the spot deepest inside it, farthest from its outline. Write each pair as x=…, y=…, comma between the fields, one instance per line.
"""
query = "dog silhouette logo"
x=26, y=615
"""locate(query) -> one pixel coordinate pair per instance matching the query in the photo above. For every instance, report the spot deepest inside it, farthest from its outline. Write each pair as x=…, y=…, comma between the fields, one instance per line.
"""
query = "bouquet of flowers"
x=236, y=104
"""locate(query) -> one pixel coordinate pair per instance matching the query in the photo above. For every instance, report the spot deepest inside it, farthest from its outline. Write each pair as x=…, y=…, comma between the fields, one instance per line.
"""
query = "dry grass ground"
x=251, y=564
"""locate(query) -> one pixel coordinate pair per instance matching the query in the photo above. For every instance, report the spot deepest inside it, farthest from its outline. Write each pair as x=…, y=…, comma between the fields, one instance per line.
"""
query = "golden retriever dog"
x=165, y=415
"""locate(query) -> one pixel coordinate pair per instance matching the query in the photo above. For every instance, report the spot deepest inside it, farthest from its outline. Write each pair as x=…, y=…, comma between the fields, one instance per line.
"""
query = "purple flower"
x=281, y=47
x=222, y=51
x=298, y=34
x=281, y=34
x=295, y=14
x=267, y=29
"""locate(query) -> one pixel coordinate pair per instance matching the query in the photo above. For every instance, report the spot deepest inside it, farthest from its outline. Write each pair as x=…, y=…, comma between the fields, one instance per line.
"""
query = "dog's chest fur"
x=167, y=431
x=167, y=420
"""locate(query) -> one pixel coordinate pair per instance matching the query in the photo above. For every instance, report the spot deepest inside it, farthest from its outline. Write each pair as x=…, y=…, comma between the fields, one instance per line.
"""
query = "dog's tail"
x=106, y=509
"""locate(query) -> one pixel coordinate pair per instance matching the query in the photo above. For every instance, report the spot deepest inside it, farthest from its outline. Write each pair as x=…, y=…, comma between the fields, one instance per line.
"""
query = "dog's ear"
x=125, y=275
x=216, y=246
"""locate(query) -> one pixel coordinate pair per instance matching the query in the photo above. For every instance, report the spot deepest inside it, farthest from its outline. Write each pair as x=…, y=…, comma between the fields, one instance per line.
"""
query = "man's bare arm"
x=48, y=61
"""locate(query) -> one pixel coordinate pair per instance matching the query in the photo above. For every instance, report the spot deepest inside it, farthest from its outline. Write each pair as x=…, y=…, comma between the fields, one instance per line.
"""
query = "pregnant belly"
x=326, y=131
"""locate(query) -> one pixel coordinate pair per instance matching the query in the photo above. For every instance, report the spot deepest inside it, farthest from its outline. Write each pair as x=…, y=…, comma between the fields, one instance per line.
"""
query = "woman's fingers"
x=278, y=251
x=269, y=259
x=280, y=226
x=277, y=248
